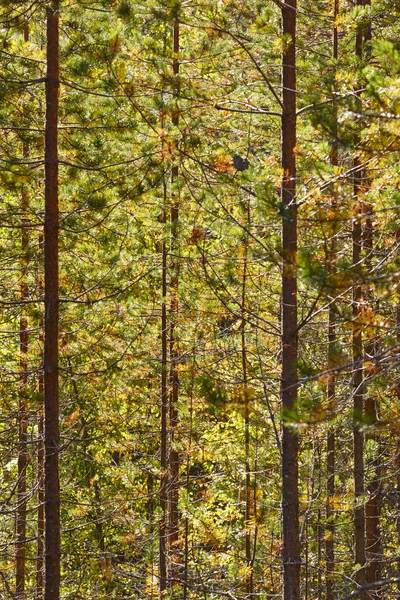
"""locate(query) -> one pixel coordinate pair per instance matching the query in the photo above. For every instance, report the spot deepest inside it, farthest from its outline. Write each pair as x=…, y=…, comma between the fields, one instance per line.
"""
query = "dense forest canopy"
x=199, y=299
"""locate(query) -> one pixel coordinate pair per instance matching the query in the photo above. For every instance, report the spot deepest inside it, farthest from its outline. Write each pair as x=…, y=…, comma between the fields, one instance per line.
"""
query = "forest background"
x=199, y=299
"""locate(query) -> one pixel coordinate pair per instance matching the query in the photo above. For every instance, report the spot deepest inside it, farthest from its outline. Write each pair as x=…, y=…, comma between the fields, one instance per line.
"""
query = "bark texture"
x=290, y=492
x=331, y=388
x=40, y=456
x=20, y=525
x=173, y=524
x=51, y=400
x=164, y=412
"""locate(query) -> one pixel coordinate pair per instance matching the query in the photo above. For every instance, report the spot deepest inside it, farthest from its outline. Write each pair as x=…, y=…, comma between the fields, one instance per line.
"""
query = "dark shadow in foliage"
x=240, y=164
x=215, y=396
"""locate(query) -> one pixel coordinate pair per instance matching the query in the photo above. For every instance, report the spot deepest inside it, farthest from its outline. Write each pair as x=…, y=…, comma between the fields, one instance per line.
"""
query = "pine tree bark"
x=397, y=456
x=40, y=455
x=164, y=412
x=372, y=506
x=248, y=495
x=358, y=376
x=173, y=525
x=290, y=492
x=20, y=526
x=358, y=404
x=331, y=388
x=51, y=321
x=331, y=450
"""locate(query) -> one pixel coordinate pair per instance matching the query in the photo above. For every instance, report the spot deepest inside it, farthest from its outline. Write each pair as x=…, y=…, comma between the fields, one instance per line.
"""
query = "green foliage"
x=120, y=139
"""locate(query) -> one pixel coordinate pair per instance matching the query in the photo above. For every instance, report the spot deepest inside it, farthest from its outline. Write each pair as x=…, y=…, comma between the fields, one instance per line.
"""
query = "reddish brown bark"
x=372, y=507
x=358, y=376
x=397, y=457
x=290, y=492
x=358, y=404
x=173, y=524
x=20, y=525
x=248, y=501
x=372, y=515
x=330, y=460
x=51, y=399
x=373, y=548
x=40, y=459
x=331, y=388
x=164, y=413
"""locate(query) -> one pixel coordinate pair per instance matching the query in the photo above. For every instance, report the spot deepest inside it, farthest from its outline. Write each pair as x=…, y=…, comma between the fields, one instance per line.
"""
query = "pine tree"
x=51, y=320
x=290, y=492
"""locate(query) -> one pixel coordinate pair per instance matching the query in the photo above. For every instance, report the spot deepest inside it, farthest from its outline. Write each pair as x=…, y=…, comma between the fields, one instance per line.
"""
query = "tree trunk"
x=188, y=455
x=372, y=506
x=358, y=402
x=290, y=492
x=164, y=411
x=358, y=395
x=331, y=443
x=40, y=456
x=173, y=533
x=248, y=494
x=331, y=391
x=397, y=456
x=20, y=527
x=51, y=401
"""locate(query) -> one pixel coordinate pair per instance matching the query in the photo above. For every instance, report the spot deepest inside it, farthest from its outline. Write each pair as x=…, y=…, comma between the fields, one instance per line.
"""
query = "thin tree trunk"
x=173, y=532
x=358, y=402
x=164, y=402
x=40, y=456
x=331, y=449
x=397, y=457
x=319, y=554
x=20, y=546
x=372, y=511
x=358, y=394
x=51, y=400
x=187, y=520
x=372, y=506
x=164, y=411
x=248, y=495
x=331, y=391
x=290, y=492
x=41, y=496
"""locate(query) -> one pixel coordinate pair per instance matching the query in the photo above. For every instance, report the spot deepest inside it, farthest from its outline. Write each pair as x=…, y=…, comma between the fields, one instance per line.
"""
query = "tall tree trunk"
x=248, y=494
x=358, y=376
x=397, y=456
x=173, y=533
x=51, y=400
x=164, y=401
x=331, y=391
x=290, y=492
x=358, y=402
x=372, y=506
x=164, y=410
x=20, y=528
x=40, y=458
x=330, y=465
x=372, y=510
x=188, y=456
